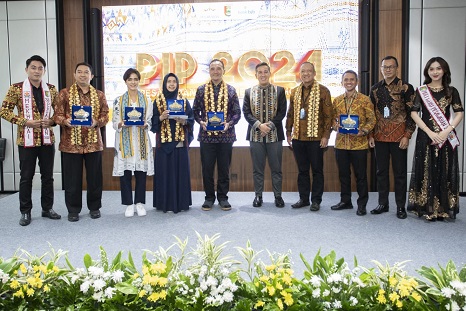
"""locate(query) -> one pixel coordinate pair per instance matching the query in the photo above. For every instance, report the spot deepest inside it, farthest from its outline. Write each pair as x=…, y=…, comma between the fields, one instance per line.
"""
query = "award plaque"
x=215, y=120
x=81, y=115
x=134, y=116
x=349, y=124
x=176, y=108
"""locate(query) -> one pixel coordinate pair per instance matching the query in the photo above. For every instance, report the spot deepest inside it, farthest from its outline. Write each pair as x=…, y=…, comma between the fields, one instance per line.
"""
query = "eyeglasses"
x=388, y=67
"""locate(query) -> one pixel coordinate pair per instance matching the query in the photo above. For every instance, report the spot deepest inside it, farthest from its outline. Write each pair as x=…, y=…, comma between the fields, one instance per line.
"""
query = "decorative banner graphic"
x=183, y=38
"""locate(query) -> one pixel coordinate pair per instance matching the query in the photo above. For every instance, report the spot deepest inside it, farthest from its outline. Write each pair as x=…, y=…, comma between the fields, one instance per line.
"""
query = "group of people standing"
x=385, y=120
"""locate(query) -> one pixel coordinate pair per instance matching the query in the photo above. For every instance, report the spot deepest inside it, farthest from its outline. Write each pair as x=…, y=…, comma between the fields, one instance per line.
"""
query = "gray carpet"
x=381, y=237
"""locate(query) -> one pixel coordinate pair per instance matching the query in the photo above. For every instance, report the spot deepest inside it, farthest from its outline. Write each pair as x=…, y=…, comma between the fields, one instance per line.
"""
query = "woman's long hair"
x=446, y=79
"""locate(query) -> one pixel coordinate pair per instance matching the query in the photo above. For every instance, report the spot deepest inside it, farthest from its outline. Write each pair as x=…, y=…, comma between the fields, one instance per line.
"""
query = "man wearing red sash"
x=33, y=101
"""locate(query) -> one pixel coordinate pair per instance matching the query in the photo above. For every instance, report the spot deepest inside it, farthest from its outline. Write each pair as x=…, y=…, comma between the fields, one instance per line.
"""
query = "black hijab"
x=166, y=92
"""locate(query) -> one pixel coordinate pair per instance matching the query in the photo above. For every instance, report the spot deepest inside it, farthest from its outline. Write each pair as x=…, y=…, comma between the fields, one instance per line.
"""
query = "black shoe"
x=51, y=214
x=380, y=209
x=315, y=207
x=257, y=201
x=25, y=219
x=401, y=213
x=361, y=211
x=225, y=205
x=341, y=205
x=207, y=206
x=73, y=217
x=279, y=202
x=300, y=204
x=95, y=214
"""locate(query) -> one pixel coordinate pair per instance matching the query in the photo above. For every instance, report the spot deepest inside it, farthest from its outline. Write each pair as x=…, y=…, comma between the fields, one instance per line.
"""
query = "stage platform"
x=372, y=237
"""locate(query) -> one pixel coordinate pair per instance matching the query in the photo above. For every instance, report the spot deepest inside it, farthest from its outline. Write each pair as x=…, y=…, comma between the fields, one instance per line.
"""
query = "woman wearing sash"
x=133, y=149
x=434, y=187
x=172, y=179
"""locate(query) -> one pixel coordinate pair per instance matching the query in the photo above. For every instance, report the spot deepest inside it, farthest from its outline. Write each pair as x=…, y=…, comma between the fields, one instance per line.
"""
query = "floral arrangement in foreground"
x=204, y=278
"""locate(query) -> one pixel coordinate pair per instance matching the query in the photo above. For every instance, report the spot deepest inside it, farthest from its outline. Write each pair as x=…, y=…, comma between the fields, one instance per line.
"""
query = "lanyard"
x=348, y=109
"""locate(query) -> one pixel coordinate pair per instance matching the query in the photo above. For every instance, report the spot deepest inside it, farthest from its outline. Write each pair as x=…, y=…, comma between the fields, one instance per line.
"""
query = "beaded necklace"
x=74, y=100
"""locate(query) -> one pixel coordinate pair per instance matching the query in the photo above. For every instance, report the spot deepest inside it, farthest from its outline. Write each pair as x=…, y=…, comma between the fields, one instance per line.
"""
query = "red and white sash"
x=28, y=111
x=437, y=114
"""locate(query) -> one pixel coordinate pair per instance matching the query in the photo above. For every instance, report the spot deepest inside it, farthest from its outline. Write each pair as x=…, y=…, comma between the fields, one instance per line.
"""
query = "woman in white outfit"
x=133, y=149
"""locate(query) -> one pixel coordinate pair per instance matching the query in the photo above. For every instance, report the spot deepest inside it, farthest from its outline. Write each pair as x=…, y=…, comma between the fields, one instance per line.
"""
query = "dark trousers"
x=260, y=152
x=357, y=159
x=219, y=153
x=127, y=187
x=27, y=164
x=308, y=154
x=383, y=150
x=73, y=180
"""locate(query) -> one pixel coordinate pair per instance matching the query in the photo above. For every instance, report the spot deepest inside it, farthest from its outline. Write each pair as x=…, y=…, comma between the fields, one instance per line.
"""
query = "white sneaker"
x=140, y=209
x=129, y=211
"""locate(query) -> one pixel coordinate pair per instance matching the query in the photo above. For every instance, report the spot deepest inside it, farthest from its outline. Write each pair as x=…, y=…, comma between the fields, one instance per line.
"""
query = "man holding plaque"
x=33, y=100
x=308, y=127
x=354, y=119
x=216, y=108
x=392, y=99
x=264, y=108
x=81, y=111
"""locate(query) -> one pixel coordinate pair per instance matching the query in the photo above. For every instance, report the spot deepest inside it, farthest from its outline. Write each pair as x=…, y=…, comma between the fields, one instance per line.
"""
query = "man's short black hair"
x=84, y=64
x=390, y=57
x=35, y=58
x=262, y=64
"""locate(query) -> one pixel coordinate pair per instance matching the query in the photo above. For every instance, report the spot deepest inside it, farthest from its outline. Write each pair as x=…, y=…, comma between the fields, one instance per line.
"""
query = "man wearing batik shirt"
x=264, y=108
x=351, y=148
x=33, y=100
x=392, y=99
x=216, y=146
x=308, y=127
x=81, y=144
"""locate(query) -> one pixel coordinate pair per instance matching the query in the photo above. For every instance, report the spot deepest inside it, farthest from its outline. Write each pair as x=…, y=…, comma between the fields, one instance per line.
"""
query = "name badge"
x=386, y=112
x=302, y=113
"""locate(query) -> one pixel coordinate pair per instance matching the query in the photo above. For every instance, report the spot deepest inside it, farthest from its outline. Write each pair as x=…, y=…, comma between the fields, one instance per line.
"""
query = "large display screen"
x=183, y=38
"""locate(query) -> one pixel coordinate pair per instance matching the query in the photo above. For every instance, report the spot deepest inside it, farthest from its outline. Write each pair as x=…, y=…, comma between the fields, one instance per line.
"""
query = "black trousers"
x=27, y=164
x=383, y=150
x=127, y=187
x=309, y=155
x=219, y=153
x=73, y=180
x=357, y=159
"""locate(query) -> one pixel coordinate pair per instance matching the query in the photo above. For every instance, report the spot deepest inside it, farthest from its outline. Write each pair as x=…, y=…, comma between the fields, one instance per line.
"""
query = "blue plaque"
x=81, y=115
x=349, y=124
x=134, y=116
x=175, y=107
x=215, y=121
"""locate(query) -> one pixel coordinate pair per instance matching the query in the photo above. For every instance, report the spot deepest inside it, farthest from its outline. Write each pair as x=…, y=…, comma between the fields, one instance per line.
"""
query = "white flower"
x=447, y=292
x=455, y=307
x=85, y=286
x=315, y=281
x=326, y=293
x=118, y=276
x=353, y=301
x=228, y=296
x=109, y=291
x=337, y=304
x=98, y=296
x=188, y=273
x=334, y=278
x=211, y=281
x=327, y=304
x=336, y=290
x=98, y=284
x=74, y=278
x=316, y=293
x=96, y=271
x=203, y=285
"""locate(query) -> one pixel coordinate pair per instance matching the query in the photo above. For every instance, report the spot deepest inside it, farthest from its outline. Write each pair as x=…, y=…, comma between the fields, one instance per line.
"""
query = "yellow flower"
x=258, y=304
x=280, y=304
x=264, y=278
x=289, y=271
x=399, y=304
x=381, y=299
x=287, y=298
x=416, y=296
x=163, y=294
x=135, y=276
x=287, y=279
x=271, y=290
x=392, y=281
x=19, y=294
x=46, y=288
x=393, y=297
x=35, y=268
x=145, y=270
x=55, y=269
x=163, y=281
x=30, y=292
x=381, y=292
x=279, y=286
x=142, y=293
x=270, y=268
x=153, y=297
x=404, y=291
x=158, y=267
x=23, y=268
x=14, y=284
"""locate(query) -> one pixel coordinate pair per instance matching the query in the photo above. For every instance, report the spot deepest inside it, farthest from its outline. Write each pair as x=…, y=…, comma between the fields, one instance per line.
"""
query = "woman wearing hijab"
x=133, y=149
x=172, y=181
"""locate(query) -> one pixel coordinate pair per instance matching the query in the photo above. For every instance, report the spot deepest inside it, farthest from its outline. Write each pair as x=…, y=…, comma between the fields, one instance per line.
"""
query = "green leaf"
x=87, y=261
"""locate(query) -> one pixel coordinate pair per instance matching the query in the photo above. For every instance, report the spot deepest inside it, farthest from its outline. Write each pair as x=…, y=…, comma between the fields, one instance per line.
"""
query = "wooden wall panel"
x=241, y=169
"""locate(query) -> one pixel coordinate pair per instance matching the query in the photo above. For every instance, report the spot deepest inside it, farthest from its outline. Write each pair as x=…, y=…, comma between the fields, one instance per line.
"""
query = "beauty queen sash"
x=28, y=112
x=437, y=114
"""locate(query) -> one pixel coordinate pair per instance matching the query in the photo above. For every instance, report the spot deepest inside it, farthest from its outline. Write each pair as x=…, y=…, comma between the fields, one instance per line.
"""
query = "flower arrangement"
x=203, y=278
